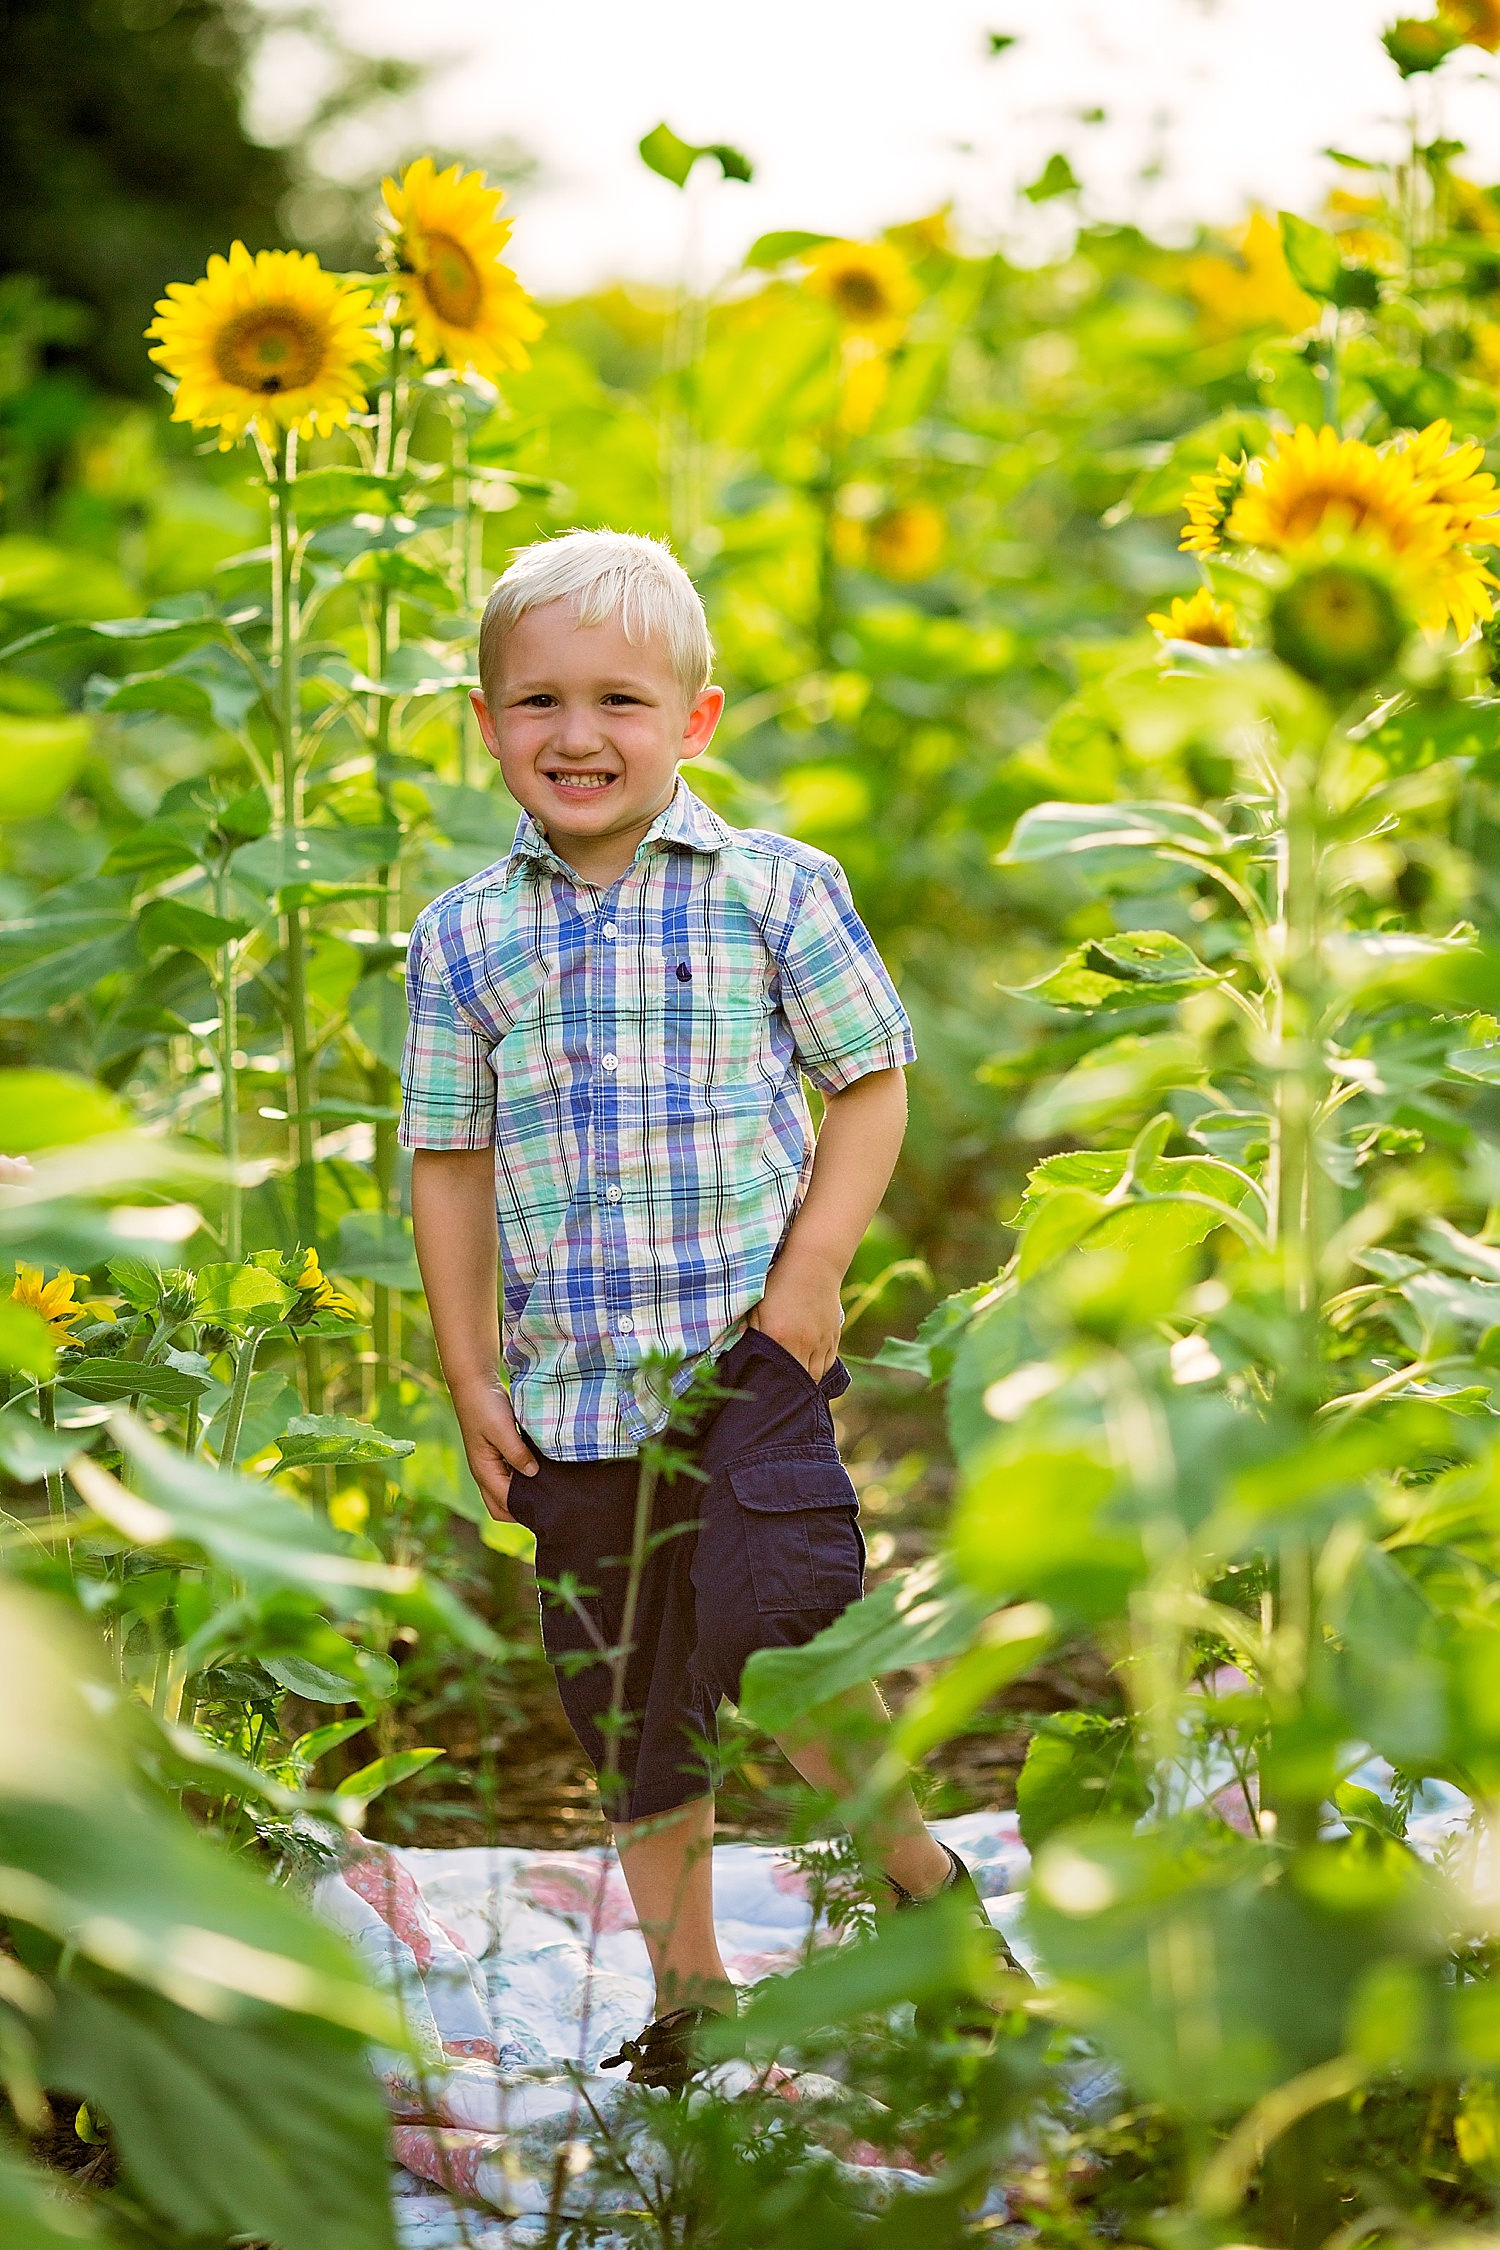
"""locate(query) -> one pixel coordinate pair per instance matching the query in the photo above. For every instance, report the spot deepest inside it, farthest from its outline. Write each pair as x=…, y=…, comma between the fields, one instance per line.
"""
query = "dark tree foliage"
x=125, y=161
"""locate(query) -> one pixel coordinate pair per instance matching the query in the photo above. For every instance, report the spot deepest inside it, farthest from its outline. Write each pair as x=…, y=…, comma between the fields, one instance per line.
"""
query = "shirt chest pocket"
x=711, y=1024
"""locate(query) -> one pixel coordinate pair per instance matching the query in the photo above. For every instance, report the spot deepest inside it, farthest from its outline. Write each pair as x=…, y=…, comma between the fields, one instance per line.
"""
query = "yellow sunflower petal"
x=464, y=307
x=1210, y=623
x=270, y=342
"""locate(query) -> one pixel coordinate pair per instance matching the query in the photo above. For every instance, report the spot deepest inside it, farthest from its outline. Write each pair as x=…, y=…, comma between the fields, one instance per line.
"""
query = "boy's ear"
x=483, y=714
x=702, y=719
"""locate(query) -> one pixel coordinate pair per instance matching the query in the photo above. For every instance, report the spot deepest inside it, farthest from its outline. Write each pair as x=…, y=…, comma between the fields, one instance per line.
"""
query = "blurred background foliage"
x=930, y=496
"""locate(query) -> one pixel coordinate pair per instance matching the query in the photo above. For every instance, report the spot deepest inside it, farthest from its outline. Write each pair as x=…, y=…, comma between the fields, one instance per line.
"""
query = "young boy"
x=609, y=1033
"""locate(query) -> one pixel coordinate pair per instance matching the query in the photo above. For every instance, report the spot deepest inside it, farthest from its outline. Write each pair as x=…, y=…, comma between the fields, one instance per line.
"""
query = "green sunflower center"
x=454, y=289
x=272, y=349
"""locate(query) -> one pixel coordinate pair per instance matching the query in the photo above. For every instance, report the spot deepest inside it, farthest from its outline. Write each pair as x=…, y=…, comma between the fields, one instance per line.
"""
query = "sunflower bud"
x=1337, y=624
x=1419, y=43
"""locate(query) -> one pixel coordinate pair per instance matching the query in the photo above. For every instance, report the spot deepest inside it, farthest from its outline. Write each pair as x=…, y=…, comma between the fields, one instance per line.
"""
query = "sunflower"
x=1208, y=501
x=868, y=284
x=319, y=1293
x=464, y=308
x=1254, y=289
x=1419, y=504
x=1476, y=22
x=908, y=543
x=55, y=1301
x=1201, y=619
x=270, y=343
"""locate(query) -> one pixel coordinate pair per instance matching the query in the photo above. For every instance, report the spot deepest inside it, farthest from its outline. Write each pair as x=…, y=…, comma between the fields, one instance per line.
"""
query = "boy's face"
x=588, y=729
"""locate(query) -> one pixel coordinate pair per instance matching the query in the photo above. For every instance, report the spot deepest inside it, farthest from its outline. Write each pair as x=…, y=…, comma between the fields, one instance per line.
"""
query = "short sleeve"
x=834, y=991
x=447, y=1086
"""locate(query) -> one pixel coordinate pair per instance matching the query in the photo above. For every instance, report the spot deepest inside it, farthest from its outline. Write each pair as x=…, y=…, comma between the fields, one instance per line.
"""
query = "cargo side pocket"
x=799, y=1512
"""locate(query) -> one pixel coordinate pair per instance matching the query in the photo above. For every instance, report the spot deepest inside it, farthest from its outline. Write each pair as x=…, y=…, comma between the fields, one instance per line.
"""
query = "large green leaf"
x=917, y=1618
x=1273, y=1956
x=53, y=1109
x=39, y=758
x=241, y=1296
x=1060, y=831
x=377, y=1012
x=315, y=855
x=68, y=974
x=273, y=2130
x=1079, y=1766
x=1034, y=1520
x=379, y=1249
x=255, y=1531
x=130, y=1378
x=313, y=1439
x=919, y=1956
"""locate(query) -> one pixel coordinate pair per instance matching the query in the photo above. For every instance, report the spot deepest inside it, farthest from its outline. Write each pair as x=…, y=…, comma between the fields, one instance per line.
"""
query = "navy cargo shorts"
x=773, y=1553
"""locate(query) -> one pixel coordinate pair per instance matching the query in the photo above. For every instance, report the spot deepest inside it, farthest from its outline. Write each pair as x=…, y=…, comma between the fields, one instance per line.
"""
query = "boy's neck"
x=600, y=861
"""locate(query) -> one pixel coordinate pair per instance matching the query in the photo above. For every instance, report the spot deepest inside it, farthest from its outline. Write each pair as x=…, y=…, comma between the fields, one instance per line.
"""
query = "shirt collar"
x=684, y=824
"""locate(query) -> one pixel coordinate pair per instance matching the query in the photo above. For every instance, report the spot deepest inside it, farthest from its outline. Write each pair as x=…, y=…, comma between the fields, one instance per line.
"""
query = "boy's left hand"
x=801, y=1311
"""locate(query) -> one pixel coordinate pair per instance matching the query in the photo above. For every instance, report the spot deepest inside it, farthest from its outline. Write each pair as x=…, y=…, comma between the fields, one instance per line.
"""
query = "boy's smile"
x=589, y=729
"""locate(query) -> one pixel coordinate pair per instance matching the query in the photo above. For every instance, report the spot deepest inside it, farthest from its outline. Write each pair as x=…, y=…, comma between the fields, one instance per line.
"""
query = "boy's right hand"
x=494, y=1445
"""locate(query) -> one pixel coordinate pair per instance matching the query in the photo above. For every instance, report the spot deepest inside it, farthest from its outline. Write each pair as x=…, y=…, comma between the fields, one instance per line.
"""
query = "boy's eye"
x=540, y=701
x=619, y=695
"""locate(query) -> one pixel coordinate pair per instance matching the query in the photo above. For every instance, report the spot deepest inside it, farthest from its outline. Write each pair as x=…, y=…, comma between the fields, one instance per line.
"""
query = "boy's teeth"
x=583, y=780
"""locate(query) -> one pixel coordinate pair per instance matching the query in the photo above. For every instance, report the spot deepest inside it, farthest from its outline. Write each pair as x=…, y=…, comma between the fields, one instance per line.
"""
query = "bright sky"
x=858, y=113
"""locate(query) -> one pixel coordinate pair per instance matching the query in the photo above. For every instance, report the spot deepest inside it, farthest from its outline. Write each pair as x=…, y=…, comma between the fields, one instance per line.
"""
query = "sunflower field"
x=1126, y=626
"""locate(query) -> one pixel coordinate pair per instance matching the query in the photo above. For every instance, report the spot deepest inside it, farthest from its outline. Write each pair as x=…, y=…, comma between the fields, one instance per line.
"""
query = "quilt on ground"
x=519, y=1970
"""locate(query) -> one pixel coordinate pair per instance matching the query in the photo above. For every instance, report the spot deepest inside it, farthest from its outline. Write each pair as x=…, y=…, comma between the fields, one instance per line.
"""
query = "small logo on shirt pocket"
x=683, y=973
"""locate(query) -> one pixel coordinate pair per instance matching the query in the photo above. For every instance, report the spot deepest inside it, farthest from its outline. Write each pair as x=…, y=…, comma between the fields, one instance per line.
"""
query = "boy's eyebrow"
x=606, y=684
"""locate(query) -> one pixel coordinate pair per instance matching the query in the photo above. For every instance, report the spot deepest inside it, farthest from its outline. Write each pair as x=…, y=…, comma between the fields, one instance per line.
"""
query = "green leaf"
x=1312, y=257
x=327, y=495
x=165, y=635
x=1079, y=1765
x=1062, y=1220
x=130, y=1378
x=271, y=2130
x=1115, y=1078
x=1056, y=177
x=917, y=1618
x=508, y=1539
x=384, y=1773
x=166, y=921
x=403, y=575
x=39, y=759
x=313, y=1682
x=44, y=1109
x=377, y=1015
x=1056, y=831
x=1146, y=957
x=673, y=159
x=779, y=248
x=67, y=975
x=924, y=1954
x=257, y=1532
x=26, y=1345
x=30, y=1451
x=169, y=692
x=315, y=855
x=374, y=1248
x=241, y=1296
x=311, y=1747
x=317, y=1438
x=1031, y=1522
x=33, y=2216
x=1482, y=1064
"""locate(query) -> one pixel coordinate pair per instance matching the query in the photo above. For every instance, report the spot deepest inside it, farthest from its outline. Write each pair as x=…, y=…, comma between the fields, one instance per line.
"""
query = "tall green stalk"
x=229, y=1113
x=286, y=677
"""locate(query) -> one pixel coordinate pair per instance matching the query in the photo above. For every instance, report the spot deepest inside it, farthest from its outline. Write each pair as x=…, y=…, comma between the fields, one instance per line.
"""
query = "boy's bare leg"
x=899, y=1841
x=668, y=1865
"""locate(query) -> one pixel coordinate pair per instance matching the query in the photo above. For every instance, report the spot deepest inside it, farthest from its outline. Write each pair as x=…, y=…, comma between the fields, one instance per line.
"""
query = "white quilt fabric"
x=519, y=1969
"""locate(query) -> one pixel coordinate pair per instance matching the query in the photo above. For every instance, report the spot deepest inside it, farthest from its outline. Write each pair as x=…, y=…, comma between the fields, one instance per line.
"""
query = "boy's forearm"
x=453, y=1221
x=858, y=1144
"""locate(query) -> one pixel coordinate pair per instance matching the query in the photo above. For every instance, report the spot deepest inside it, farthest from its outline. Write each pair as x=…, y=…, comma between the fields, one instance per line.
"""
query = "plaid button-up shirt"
x=636, y=1055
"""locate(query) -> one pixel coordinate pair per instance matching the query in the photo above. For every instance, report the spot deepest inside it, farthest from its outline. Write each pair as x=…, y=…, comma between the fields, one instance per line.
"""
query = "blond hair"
x=605, y=574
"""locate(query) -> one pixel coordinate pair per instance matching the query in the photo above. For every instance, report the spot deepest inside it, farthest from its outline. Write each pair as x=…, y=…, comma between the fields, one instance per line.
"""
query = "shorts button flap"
x=791, y=1482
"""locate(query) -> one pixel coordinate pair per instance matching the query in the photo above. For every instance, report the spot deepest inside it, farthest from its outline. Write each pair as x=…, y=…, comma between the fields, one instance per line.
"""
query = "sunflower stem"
x=1328, y=373
x=286, y=678
x=394, y=413
x=229, y=1115
x=234, y=1412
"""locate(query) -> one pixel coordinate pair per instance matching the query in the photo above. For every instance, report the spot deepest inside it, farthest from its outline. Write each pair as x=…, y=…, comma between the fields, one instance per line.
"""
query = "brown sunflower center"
x=859, y=295
x=272, y=349
x=1311, y=511
x=454, y=289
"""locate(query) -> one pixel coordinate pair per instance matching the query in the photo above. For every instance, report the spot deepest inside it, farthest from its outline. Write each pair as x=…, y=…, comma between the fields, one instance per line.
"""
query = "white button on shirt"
x=611, y=1062
x=611, y=929
x=611, y=1195
x=625, y=1325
